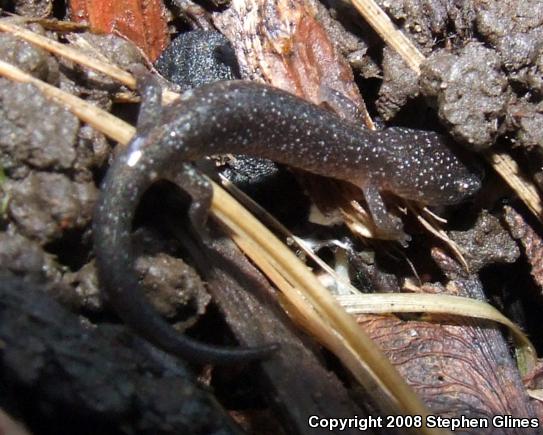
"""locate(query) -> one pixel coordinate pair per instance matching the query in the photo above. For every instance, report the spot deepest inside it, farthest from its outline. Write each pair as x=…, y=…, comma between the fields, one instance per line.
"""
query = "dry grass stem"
x=440, y=304
x=510, y=172
x=383, y=25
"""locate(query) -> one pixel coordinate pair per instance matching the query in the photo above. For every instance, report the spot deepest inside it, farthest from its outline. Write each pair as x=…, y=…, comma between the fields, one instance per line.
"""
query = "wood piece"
x=281, y=43
x=460, y=367
x=105, y=377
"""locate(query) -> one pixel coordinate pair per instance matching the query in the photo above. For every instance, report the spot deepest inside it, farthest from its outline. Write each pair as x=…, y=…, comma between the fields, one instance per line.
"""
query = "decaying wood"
x=193, y=13
x=95, y=372
x=281, y=43
x=472, y=356
x=459, y=367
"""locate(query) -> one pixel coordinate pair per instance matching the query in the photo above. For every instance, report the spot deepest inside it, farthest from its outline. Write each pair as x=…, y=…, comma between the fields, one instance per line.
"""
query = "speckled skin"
x=254, y=119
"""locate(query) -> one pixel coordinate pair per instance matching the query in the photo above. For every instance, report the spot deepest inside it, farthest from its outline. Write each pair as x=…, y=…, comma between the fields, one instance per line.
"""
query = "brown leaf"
x=459, y=366
x=141, y=21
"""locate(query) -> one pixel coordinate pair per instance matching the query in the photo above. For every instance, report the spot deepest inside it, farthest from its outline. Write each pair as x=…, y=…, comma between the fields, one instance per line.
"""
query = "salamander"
x=258, y=120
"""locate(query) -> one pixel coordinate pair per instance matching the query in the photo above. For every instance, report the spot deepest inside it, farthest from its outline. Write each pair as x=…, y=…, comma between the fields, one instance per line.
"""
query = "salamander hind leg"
x=388, y=225
x=200, y=190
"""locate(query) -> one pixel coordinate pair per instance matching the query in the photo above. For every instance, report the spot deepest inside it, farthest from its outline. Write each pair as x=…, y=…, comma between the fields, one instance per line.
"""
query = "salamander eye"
x=468, y=185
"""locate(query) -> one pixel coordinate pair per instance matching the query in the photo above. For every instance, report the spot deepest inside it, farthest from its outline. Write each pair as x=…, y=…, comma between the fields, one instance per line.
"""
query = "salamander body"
x=258, y=120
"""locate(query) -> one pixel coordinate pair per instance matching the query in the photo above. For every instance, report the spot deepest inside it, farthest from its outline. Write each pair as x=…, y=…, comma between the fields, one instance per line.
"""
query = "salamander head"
x=427, y=170
x=463, y=187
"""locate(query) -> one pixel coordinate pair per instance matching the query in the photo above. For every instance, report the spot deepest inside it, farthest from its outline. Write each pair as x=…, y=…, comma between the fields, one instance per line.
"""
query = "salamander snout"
x=464, y=187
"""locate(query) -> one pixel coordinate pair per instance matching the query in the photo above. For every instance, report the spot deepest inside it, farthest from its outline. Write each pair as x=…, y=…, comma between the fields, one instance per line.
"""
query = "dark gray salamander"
x=258, y=120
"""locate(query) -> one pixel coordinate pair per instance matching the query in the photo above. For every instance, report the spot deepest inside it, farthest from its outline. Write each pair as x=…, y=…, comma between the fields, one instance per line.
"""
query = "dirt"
x=43, y=140
x=487, y=243
x=26, y=257
x=400, y=84
x=172, y=286
x=29, y=58
x=497, y=44
x=33, y=8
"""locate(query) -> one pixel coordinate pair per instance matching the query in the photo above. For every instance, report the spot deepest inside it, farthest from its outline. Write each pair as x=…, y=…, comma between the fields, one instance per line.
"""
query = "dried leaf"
x=458, y=367
x=141, y=21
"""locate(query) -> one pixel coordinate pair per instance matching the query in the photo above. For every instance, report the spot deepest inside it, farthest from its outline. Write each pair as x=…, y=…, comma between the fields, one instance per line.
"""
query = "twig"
x=382, y=24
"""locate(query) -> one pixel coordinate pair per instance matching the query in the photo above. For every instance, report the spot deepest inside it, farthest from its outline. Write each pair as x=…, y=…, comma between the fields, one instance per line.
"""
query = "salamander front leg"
x=389, y=225
x=340, y=104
